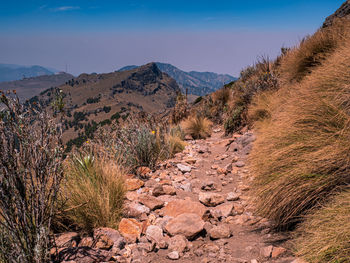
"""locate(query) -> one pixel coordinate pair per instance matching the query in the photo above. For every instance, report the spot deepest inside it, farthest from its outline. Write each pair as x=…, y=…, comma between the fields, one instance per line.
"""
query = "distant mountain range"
x=10, y=72
x=197, y=83
x=29, y=87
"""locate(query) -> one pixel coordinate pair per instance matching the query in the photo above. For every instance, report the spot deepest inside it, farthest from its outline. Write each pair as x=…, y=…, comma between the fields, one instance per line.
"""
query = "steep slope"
x=103, y=98
x=197, y=83
x=30, y=87
x=9, y=72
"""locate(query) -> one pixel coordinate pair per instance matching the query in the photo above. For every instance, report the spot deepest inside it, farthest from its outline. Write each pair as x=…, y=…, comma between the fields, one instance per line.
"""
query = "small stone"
x=232, y=196
x=208, y=185
x=151, y=202
x=173, y=255
x=223, y=210
x=214, y=167
x=254, y=261
x=135, y=210
x=69, y=239
x=158, y=190
x=239, y=164
x=86, y=242
x=189, y=225
x=266, y=251
x=183, y=168
x=191, y=160
x=133, y=184
x=211, y=199
x=238, y=208
x=155, y=233
x=177, y=243
x=187, y=187
x=169, y=190
x=221, y=231
x=221, y=170
x=277, y=251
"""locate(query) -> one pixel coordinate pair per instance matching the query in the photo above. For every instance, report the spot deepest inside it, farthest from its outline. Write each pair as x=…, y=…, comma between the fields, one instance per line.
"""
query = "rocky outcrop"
x=343, y=11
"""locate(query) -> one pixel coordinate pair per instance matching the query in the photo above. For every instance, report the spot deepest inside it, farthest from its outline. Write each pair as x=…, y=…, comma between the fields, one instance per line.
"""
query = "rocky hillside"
x=93, y=99
x=197, y=83
x=9, y=72
x=29, y=87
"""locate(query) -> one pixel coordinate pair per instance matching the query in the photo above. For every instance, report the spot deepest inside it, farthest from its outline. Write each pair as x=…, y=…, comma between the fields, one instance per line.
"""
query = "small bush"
x=175, y=140
x=324, y=236
x=234, y=121
x=222, y=96
x=94, y=192
x=30, y=175
x=198, y=127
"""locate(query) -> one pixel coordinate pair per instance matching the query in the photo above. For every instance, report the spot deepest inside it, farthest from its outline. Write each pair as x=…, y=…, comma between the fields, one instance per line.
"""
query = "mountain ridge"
x=196, y=83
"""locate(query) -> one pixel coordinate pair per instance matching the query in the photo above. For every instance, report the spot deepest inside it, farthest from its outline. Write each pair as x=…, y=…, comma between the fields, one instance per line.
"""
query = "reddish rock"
x=107, y=238
x=266, y=251
x=130, y=229
x=133, y=184
x=177, y=243
x=277, y=251
x=155, y=234
x=178, y=207
x=151, y=202
x=135, y=210
x=169, y=190
x=69, y=239
x=158, y=190
x=221, y=231
x=189, y=225
x=86, y=242
x=223, y=210
x=211, y=199
x=221, y=170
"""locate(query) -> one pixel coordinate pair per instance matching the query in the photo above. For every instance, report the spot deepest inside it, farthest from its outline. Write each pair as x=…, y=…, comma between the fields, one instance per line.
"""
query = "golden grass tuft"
x=325, y=235
x=95, y=191
x=196, y=126
x=300, y=61
x=302, y=152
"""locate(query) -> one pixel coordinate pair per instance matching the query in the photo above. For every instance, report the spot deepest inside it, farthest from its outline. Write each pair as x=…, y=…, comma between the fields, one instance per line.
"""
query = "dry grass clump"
x=175, y=140
x=93, y=191
x=302, y=152
x=324, y=237
x=197, y=126
x=311, y=51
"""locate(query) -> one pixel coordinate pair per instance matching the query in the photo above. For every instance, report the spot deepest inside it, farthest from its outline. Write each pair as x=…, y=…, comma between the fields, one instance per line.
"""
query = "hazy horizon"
x=103, y=36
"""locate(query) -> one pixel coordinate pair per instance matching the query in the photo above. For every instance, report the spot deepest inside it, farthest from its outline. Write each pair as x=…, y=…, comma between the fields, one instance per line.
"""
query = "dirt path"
x=219, y=165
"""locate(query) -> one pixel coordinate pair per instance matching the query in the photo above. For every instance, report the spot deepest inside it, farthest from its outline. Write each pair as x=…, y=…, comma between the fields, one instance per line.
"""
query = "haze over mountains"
x=197, y=83
x=10, y=72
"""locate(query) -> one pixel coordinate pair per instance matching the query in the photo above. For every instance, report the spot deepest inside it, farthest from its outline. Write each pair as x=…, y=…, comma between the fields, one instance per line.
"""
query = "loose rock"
x=211, y=199
x=189, y=225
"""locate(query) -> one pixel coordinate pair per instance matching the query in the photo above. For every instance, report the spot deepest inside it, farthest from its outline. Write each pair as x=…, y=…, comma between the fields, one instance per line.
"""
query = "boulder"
x=178, y=207
x=151, y=202
x=211, y=199
x=130, y=229
x=188, y=225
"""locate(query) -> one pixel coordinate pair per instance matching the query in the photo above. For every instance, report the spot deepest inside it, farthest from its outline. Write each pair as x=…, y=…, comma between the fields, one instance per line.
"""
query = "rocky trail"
x=195, y=208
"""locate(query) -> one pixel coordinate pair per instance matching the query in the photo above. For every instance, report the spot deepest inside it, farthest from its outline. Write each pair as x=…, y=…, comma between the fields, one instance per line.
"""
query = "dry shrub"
x=222, y=96
x=311, y=51
x=302, y=153
x=197, y=126
x=93, y=191
x=325, y=235
x=31, y=156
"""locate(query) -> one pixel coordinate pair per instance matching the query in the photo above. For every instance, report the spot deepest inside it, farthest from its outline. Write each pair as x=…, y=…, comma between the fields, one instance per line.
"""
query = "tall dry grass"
x=94, y=192
x=313, y=50
x=302, y=153
x=197, y=126
x=324, y=237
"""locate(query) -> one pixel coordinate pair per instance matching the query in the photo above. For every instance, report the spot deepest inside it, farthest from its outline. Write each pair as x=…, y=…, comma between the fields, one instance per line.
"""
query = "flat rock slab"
x=211, y=199
x=178, y=207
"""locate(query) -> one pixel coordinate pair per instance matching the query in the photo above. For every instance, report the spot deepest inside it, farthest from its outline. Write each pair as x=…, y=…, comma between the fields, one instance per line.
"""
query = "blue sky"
x=101, y=36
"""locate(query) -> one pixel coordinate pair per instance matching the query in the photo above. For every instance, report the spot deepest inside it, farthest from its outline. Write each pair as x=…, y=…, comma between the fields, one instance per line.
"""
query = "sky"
x=204, y=35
